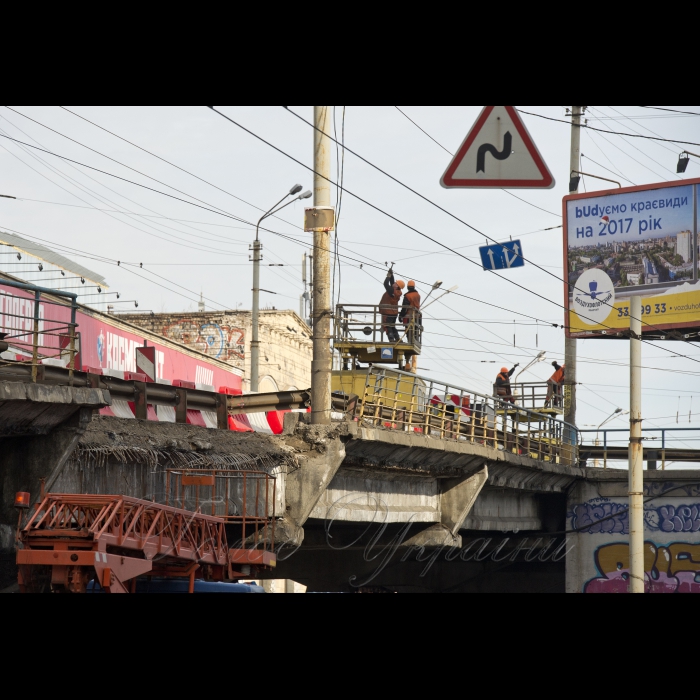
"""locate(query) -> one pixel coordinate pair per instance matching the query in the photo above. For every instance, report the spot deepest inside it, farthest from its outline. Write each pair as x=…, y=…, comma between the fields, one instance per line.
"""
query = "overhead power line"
x=606, y=131
x=223, y=213
x=412, y=228
x=667, y=109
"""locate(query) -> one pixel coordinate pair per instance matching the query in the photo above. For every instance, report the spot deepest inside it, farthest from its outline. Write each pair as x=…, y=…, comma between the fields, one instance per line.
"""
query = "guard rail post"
x=35, y=336
x=663, y=449
x=605, y=449
x=71, y=363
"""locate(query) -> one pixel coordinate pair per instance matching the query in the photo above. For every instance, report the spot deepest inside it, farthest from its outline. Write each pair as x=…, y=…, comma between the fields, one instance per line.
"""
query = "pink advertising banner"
x=102, y=344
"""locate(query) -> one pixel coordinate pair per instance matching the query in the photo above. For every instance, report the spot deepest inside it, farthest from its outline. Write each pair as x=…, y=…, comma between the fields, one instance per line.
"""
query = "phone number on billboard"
x=646, y=309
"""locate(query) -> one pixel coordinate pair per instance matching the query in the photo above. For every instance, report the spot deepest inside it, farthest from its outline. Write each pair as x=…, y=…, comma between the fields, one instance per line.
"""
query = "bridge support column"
x=24, y=461
x=457, y=497
x=321, y=454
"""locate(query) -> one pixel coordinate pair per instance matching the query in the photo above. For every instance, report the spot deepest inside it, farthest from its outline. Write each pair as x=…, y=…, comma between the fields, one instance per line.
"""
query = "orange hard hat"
x=411, y=283
x=504, y=369
x=401, y=284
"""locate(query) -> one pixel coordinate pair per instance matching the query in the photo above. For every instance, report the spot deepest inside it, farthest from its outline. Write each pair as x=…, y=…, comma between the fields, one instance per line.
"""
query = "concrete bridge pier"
x=456, y=498
x=40, y=427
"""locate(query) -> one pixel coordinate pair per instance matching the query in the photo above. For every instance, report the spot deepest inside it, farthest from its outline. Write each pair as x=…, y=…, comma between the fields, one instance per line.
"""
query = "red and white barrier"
x=239, y=421
x=209, y=417
x=121, y=408
x=166, y=414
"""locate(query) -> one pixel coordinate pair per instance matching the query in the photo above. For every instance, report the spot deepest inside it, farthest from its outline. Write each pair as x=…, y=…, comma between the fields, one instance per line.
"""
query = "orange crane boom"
x=72, y=539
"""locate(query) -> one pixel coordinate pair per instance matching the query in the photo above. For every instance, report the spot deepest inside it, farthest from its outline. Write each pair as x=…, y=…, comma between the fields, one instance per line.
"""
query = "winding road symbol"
x=490, y=148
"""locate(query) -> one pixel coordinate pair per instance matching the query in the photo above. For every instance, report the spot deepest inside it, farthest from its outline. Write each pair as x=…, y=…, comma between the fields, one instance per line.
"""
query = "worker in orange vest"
x=502, y=384
x=411, y=317
x=554, y=385
x=389, y=305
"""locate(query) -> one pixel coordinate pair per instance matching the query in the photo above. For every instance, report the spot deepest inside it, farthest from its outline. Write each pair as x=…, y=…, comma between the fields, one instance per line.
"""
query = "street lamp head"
x=437, y=284
x=295, y=189
x=682, y=162
x=452, y=289
x=305, y=195
x=618, y=410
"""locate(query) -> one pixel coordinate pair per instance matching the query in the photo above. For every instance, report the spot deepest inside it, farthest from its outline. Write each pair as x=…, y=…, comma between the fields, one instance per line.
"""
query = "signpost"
x=498, y=152
x=502, y=256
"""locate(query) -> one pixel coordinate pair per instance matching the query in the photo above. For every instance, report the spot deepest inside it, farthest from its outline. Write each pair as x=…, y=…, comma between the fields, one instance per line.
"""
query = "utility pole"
x=570, y=343
x=255, y=317
x=302, y=303
x=636, y=466
x=321, y=277
x=311, y=289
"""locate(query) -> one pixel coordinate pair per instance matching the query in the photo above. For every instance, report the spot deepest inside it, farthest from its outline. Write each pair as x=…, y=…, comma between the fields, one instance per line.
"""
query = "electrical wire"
x=394, y=218
x=593, y=138
x=87, y=190
x=166, y=194
x=677, y=111
x=646, y=167
x=220, y=212
x=438, y=207
x=197, y=177
x=606, y=131
x=608, y=169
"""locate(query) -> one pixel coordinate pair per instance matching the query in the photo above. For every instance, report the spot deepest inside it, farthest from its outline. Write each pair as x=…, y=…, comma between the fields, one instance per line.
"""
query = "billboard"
x=632, y=241
x=105, y=342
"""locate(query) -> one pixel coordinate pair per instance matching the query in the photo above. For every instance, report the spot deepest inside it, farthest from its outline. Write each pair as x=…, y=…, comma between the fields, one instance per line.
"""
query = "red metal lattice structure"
x=72, y=539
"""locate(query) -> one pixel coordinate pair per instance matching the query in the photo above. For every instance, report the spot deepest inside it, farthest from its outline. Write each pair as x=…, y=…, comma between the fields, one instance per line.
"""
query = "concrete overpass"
x=366, y=506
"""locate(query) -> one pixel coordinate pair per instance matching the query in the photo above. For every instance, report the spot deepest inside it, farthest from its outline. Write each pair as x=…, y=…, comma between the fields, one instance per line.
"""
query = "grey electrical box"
x=319, y=219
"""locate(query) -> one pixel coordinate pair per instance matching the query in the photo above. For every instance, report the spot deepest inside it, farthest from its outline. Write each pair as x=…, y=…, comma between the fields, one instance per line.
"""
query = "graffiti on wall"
x=223, y=342
x=668, y=568
x=601, y=516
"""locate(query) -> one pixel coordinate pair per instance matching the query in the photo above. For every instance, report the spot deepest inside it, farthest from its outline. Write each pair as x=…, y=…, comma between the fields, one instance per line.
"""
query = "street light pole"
x=617, y=412
x=255, y=315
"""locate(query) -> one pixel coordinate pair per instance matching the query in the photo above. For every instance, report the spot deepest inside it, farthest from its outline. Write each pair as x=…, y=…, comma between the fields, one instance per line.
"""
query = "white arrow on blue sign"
x=502, y=256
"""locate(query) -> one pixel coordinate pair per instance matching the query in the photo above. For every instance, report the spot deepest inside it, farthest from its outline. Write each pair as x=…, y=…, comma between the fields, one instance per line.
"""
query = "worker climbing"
x=411, y=318
x=501, y=387
x=389, y=305
x=554, y=386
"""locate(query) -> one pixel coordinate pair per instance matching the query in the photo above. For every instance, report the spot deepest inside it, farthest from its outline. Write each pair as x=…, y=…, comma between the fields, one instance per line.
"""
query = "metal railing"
x=398, y=400
x=534, y=395
x=240, y=497
x=658, y=446
x=363, y=323
x=37, y=328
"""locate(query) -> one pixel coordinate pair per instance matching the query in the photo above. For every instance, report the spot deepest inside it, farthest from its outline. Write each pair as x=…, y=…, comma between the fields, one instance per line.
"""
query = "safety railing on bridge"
x=536, y=395
x=363, y=323
x=35, y=329
x=402, y=401
x=242, y=498
x=664, y=445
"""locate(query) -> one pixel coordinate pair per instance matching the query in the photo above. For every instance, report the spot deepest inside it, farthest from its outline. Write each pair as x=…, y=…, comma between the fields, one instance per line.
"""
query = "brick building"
x=285, y=341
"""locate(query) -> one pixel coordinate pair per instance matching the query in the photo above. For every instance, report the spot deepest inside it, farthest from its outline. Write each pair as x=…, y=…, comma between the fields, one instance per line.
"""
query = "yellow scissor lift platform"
x=359, y=335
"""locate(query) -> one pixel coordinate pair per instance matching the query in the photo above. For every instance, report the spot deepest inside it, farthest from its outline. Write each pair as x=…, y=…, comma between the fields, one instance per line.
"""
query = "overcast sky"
x=202, y=251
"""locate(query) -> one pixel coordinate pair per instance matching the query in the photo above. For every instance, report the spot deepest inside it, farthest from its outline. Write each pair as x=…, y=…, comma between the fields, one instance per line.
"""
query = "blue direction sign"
x=501, y=256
